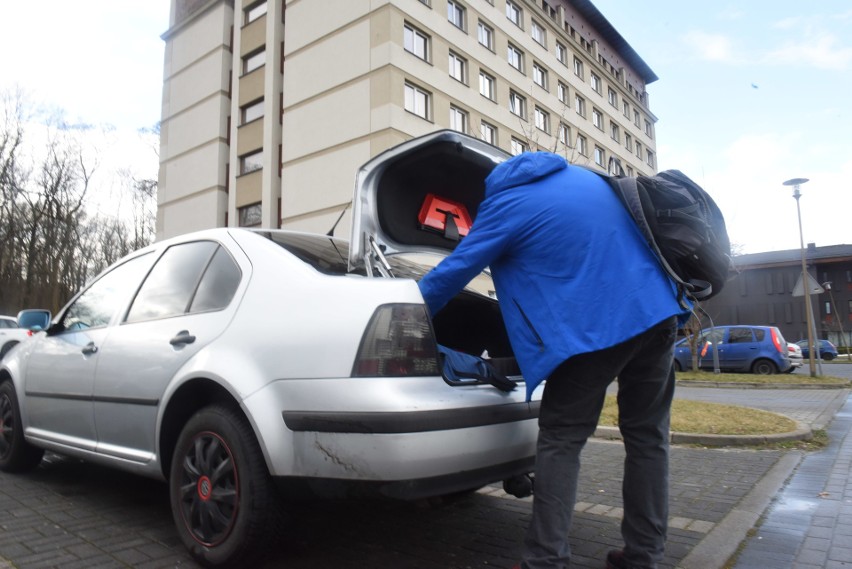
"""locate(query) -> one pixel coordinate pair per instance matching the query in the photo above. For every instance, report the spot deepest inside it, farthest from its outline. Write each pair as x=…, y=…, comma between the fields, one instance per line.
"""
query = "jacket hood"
x=522, y=169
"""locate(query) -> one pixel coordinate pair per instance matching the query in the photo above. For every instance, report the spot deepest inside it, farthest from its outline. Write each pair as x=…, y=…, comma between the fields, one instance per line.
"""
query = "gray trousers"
x=570, y=409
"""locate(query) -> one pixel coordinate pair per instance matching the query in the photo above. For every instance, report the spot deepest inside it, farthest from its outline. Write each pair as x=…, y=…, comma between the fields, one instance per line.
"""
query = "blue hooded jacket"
x=572, y=272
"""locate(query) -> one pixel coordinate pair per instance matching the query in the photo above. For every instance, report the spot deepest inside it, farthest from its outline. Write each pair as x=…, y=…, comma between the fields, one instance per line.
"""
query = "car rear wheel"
x=764, y=367
x=828, y=357
x=223, y=500
x=677, y=366
x=16, y=454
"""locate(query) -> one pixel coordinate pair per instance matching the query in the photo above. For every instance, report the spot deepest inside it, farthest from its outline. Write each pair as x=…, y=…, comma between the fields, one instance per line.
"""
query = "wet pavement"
x=71, y=514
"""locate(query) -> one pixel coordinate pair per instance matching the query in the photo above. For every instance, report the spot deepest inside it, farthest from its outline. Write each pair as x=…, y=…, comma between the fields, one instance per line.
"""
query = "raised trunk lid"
x=390, y=191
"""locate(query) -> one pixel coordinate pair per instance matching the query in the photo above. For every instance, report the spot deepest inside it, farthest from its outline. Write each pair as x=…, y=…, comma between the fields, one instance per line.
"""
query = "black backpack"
x=683, y=226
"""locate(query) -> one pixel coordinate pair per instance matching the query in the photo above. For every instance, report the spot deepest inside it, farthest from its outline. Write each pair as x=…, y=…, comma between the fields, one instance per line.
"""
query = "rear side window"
x=190, y=277
x=740, y=336
x=759, y=334
x=7, y=323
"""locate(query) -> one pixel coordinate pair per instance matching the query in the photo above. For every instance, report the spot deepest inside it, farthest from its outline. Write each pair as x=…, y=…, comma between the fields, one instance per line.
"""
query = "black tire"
x=223, y=500
x=16, y=454
x=6, y=347
x=764, y=367
x=677, y=366
x=828, y=357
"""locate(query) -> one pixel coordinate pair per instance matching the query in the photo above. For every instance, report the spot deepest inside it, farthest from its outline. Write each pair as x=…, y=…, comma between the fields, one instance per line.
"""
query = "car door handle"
x=90, y=349
x=183, y=337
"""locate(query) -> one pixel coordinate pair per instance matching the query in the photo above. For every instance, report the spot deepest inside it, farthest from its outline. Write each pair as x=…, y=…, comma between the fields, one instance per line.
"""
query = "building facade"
x=761, y=292
x=270, y=106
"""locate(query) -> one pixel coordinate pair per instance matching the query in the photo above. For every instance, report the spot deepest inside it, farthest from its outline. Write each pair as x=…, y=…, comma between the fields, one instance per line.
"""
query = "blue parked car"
x=755, y=349
x=827, y=350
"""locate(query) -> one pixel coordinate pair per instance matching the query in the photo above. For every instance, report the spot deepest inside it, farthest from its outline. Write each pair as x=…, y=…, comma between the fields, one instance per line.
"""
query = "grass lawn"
x=778, y=379
x=713, y=418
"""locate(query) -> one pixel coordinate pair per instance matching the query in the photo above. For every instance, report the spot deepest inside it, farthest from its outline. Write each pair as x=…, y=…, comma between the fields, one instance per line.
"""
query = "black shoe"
x=615, y=560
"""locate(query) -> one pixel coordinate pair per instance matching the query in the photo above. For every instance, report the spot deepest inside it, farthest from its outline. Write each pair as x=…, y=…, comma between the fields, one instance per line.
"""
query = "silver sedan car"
x=242, y=365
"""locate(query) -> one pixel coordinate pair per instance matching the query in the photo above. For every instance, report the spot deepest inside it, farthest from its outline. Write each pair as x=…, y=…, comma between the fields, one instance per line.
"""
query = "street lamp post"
x=796, y=182
x=827, y=286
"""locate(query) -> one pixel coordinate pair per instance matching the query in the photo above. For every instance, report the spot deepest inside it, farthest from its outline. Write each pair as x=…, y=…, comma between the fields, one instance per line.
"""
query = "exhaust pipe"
x=519, y=486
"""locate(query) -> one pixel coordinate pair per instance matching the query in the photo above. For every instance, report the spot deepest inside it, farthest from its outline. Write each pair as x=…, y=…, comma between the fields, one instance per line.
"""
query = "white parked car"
x=794, y=351
x=11, y=334
x=238, y=363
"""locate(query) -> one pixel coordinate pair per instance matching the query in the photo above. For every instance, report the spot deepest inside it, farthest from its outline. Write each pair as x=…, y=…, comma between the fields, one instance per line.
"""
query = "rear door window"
x=190, y=277
x=740, y=336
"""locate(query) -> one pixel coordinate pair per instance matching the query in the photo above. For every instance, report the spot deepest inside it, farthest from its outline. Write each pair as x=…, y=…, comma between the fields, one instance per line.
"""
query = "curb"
x=802, y=432
x=723, y=540
x=738, y=385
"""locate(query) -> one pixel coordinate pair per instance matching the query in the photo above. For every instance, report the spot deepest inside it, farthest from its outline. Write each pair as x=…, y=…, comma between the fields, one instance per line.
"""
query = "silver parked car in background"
x=241, y=364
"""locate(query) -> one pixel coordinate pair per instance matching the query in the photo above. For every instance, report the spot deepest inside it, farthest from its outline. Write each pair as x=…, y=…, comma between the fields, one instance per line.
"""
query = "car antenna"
x=333, y=227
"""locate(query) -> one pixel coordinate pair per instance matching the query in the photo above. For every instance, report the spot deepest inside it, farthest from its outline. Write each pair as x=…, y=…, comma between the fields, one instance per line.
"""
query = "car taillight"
x=398, y=342
x=777, y=341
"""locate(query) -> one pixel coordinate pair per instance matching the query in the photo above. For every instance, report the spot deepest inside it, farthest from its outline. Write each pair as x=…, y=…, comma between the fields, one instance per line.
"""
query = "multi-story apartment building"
x=270, y=106
x=761, y=291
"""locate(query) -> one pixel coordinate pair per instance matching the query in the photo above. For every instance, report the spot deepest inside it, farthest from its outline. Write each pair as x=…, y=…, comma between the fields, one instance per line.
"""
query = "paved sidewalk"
x=809, y=525
x=71, y=514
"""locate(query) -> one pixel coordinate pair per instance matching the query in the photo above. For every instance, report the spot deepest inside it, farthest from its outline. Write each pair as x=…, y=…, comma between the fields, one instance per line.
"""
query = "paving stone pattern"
x=71, y=514
x=809, y=525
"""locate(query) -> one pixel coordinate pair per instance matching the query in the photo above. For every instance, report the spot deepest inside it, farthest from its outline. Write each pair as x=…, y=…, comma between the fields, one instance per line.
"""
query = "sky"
x=750, y=94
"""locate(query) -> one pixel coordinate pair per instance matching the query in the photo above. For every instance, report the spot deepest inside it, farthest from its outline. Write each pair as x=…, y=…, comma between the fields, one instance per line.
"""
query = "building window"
x=251, y=112
x=614, y=132
x=636, y=117
x=540, y=76
x=417, y=101
x=628, y=142
x=514, y=13
x=517, y=104
x=254, y=61
x=488, y=133
x=542, y=120
x=426, y=2
x=648, y=129
x=455, y=14
x=650, y=158
x=564, y=134
x=597, y=118
x=612, y=97
x=458, y=67
x=486, y=85
x=485, y=35
x=416, y=42
x=250, y=215
x=582, y=145
x=254, y=12
x=630, y=171
x=639, y=151
x=578, y=68
x=595, y=82
x=458, y=119
x=518, y=146
x=251, y=162
x=562, y=92
x=538, y=33
x=561, y=53
x=827, y=307
x=626, y=106
x=580, y=105
x=600, y=156
x=515, y=57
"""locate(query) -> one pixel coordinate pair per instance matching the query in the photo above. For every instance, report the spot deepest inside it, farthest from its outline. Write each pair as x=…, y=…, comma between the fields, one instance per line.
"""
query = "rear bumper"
x=409, y=421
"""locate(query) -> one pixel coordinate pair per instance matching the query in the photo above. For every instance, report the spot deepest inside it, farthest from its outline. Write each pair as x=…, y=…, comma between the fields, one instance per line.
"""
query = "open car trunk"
x=399, y=196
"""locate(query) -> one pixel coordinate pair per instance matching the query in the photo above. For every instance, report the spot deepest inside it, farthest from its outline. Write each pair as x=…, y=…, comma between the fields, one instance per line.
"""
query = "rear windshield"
x=330, y=256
